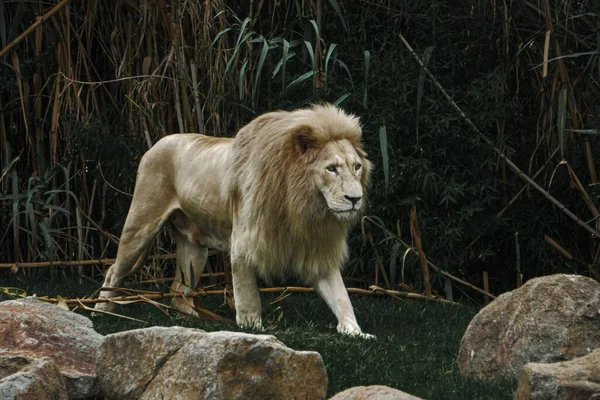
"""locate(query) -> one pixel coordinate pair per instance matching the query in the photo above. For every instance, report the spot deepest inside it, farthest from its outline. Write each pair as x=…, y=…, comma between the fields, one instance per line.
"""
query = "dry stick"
x=416, y=234
x=486, y=286
x=564, y=251
x=503, y=156
x=33, y=26
x=136, y=298
x=160, y=280
x=396, y=294
x=586, y=197
x=518, y=255
x=429, y=263
x=104, y=261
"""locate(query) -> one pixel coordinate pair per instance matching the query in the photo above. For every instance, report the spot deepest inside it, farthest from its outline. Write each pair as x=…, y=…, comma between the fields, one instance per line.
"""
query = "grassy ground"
x=415, y=350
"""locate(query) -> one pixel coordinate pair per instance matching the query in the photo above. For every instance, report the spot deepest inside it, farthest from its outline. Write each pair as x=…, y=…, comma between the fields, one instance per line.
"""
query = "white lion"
x=279, y=197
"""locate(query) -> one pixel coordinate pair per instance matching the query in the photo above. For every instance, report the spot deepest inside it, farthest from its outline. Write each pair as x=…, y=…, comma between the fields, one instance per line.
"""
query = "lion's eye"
x=331, y=168
x=357, y=166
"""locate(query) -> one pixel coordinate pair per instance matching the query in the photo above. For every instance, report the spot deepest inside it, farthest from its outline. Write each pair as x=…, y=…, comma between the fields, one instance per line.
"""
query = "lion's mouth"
x=345, y=214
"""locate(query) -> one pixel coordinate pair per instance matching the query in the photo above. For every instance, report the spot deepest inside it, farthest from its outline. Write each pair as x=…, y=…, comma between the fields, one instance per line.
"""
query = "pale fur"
x=266, y=196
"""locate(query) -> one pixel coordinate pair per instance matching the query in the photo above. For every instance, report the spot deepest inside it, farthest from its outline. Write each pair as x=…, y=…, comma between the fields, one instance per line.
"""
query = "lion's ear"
x=303, y=140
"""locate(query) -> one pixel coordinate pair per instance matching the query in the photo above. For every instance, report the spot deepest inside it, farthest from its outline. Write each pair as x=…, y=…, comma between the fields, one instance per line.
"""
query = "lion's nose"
x=353, y=199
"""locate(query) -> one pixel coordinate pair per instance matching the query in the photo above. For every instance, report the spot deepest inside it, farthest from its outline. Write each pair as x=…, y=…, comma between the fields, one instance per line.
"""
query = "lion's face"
x=337, y=172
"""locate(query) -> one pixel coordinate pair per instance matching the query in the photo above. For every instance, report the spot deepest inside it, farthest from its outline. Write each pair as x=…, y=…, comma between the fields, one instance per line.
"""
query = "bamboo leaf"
x=311, y=54
x=367, y=55
x=316, y=28
x=261, y=62
x=300, y=79
x=384, y=155
x=286, y=47
x=241, y=38
x=341, y=99
x=280, y=64
x=585, y=131
x=574, y=55
x=562, y=114
x=340, y=15
x=241, y=80
x=62, y=303
x=224, y=31
x=8, y=167
x=345, y=67
x=330, y=51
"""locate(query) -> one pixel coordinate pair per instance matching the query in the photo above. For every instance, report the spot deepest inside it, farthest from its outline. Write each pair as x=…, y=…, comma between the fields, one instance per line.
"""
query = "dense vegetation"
x=88, y=91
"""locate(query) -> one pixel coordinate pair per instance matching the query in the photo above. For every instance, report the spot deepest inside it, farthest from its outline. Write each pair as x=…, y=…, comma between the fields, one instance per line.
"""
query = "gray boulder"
x=549, y=319
x=32, y=331
x=577, y=379
x=373, y=393
x=39, y=379
x=183, y=363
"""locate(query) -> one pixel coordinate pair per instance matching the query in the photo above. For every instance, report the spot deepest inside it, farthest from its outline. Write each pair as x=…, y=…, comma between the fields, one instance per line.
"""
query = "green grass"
x=415, y=350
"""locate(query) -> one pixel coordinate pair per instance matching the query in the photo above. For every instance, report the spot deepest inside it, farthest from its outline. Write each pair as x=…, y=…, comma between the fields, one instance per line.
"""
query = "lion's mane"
x=284, y=218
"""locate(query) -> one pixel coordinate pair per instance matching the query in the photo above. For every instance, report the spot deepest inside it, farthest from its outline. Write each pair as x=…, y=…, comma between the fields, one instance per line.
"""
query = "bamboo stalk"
x=486, y=286
x=564, y=252
x=518, y=256
x=500, y=153
x=198, y=107
x=33, y=26
x=564, y=77
x=104, y=261
x=586, y=197
x=416, y=235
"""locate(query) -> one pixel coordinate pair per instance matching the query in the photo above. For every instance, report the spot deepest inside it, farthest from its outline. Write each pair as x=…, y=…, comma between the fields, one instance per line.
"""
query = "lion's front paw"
x=185, y=305
x=249, y=321
x=106, y=307
x=353, y=330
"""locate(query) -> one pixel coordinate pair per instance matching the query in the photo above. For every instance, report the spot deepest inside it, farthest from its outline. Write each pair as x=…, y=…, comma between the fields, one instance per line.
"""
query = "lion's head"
x=337, y=171
x=297, y=182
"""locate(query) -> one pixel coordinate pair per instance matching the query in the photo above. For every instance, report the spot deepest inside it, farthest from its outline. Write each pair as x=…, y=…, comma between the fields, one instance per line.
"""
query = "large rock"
x=578, y=379
x=32, y=330
x=183, y=363
x=37, y=379
x=549, y=319
x=373, y=393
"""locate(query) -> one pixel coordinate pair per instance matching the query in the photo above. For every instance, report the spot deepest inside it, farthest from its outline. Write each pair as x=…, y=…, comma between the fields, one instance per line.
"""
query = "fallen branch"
x=105, y=261
x=143, y=296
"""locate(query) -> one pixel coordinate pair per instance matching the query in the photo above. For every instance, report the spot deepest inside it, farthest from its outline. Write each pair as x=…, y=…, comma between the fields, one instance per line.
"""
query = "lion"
x=279, y=197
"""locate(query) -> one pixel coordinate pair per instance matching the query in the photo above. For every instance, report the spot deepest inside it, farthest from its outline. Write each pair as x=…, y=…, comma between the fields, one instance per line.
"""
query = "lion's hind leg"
x=141, y=226
x=191, y=259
